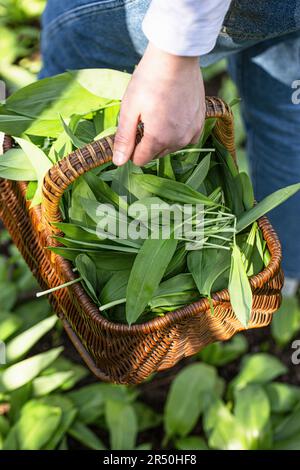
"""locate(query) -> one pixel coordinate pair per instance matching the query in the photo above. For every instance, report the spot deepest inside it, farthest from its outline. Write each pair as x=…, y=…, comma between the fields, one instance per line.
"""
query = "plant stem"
x=112, y=304
x=54, y=289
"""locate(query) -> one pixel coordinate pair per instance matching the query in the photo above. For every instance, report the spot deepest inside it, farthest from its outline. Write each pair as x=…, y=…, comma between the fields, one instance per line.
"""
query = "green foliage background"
x=242, y=394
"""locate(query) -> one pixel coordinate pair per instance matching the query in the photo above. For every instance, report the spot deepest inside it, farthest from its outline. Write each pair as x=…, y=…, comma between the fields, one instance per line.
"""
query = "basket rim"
x=189, y=310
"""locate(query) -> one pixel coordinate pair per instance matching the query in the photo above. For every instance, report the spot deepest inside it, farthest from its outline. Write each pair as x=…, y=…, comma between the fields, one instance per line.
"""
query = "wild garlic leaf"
x=126, y=185
x=247, y=189
x=165, y=169
x=15, y=165
x=105, y=83
x=266, y=205
x=239, y=288
x=115, y=288
x=87, y=270
x=75, y=140
x=206, y=266
x=173, y=190
x=40, y=104
x=200, y=173
x=39, y=161
x=146, y=274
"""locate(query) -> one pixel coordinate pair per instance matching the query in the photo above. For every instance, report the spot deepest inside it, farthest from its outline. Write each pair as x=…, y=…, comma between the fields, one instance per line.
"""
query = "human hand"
x=166, y=93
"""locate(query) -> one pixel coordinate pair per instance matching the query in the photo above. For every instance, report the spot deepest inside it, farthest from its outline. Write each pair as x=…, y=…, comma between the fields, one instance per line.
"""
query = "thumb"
x=125, y=137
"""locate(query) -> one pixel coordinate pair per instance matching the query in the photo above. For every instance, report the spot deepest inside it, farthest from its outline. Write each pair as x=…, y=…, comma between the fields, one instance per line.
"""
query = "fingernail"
x=118, y=158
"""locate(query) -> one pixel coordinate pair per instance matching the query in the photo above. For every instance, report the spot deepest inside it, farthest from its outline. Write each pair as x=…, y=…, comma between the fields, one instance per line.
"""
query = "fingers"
x=196, y=138
x=199, y=129
x=164, y=153
x=125, y=137
x=146, y=150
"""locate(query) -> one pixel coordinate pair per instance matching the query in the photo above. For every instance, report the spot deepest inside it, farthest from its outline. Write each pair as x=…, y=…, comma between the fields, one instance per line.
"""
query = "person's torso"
x=245, y=20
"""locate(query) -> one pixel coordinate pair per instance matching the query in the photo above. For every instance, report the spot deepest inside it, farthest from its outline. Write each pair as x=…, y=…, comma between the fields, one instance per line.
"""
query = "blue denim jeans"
x=261, y=40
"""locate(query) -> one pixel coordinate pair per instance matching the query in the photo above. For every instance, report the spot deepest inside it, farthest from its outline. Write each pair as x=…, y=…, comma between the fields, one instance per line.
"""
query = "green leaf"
x=247, y=188
x=21, y=344
x=147, y=418
x=156, y=255
x=106, y=83
x=39, y=162
x=287, y=433
x=75, y=140
x=9, y=324
x=89, y=401
x=107, y=132
x=125, y=185
x=4, y=426
x=61, y=147
x=292, y=443
x=191, y=443
x=115, y=288
x=103, y=260
x=68, y=415
x=83, y=434
x=239, y=288
x=144, y=446
x=38, y=308
x=282, y=397
x=13, y=124
x=266, y=205
x=200, y=173
x=44, y=385
x=122, y=423
x=103, y=193
x=219, y=354
x=286, y=321
x=15, y=165
x=23, y=372
x=252, y=411
x=36, y=425
x=206, y=266
x=87, y=269
x=172, y=190
x=258, y=368
x=77, y=232
x=80, y=190
x=177, y=264
x=18, y=398
x=64, y=365
x=10, y=442
x=165, y=169
x=31, y=190
x=40, y=105
x=185, y=403
x=64, y=444
x=226, y=433
x=8, y=295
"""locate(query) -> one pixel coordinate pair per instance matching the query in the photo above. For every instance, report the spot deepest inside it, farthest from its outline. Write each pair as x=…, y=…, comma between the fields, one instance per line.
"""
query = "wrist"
x=171, y=62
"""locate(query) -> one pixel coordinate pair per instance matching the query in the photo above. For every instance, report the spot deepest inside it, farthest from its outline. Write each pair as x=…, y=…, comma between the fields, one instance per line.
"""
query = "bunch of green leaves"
x=257, y=412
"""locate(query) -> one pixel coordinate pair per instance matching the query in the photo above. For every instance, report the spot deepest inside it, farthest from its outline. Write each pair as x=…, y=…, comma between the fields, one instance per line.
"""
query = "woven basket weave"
x=114, y=352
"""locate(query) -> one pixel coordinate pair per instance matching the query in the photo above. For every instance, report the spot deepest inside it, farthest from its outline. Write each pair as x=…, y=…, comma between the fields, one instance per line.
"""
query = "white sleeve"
x=185, y=27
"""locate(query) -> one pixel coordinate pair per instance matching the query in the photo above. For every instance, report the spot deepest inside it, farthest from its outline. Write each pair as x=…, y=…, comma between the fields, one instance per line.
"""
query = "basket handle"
x=95, y=154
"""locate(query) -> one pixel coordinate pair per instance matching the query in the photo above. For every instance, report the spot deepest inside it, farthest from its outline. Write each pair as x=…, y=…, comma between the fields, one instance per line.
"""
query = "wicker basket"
x=114, y=352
